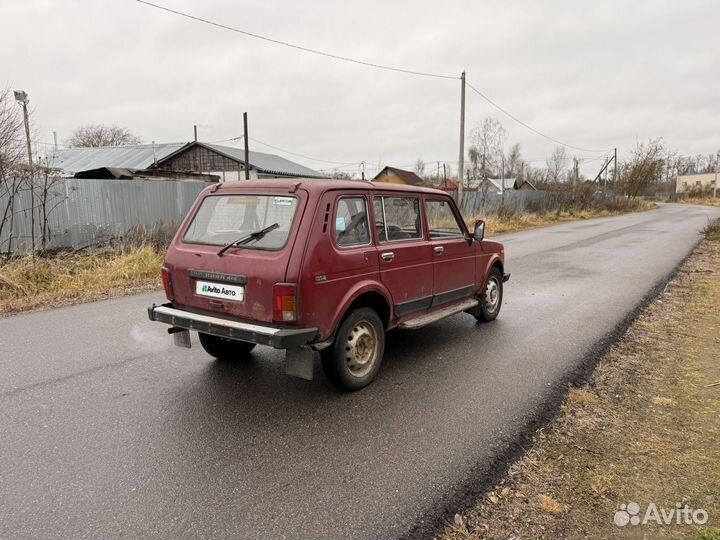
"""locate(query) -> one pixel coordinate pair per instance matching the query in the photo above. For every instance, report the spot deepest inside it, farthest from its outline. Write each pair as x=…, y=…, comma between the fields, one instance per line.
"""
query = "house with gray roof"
x=196, y=158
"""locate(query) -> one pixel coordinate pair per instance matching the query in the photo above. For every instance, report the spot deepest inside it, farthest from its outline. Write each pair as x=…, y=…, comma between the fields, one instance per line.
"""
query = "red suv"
x=323, y=265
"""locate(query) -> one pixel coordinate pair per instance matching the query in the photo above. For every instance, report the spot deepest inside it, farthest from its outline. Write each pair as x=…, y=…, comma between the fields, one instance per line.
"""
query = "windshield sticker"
x=283, y=201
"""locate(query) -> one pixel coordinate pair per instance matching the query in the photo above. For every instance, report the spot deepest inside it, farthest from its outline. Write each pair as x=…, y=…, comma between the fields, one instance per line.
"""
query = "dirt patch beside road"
x=644, y=431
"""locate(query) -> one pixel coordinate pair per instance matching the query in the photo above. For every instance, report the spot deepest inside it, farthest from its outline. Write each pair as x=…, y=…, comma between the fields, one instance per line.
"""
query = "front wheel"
x=225, y=349
x=354, y=358
x=491, y=298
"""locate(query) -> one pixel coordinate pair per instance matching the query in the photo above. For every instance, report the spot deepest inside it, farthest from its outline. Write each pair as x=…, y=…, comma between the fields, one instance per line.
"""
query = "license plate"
x=235, y=293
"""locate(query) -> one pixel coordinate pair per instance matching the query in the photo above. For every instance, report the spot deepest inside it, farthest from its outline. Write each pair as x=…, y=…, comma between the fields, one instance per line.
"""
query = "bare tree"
x=420, y=167
x=486, y=146
x=645, y=167
x=513, y=161
x=556, y=164
x=102, y=135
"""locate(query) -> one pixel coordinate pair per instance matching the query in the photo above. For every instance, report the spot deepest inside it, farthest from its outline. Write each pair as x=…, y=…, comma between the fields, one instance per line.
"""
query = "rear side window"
x=222, y=219
x=441, y=220
x=397, y=218
x=351, y=222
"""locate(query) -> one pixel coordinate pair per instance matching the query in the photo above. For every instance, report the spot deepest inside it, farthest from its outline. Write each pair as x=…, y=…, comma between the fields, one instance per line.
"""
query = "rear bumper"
x=279, y=338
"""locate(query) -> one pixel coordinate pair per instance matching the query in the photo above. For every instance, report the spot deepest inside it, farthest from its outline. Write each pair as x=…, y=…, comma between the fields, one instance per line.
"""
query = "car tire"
x=354, y=358
x=491, y=297
x=225, y=349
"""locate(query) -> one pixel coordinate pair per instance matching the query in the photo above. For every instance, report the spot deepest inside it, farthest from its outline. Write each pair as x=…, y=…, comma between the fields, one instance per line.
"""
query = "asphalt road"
x=108, y=431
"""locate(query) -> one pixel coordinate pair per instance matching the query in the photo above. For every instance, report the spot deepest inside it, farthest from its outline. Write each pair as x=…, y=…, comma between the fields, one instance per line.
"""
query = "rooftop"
x=144, y=156
x=321, y=185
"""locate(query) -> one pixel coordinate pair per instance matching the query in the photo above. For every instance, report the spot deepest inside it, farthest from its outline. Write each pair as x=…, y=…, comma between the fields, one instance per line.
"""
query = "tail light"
x=167, y=284
x=285, y=302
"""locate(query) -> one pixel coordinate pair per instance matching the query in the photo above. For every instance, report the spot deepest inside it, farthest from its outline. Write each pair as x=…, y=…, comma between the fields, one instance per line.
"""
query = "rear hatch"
x=238, y=282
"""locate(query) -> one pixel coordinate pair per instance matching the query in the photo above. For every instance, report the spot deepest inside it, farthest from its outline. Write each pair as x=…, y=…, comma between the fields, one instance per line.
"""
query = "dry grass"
x=644, y=429
x=28, y=283
x=707, y=201
x=509, y=222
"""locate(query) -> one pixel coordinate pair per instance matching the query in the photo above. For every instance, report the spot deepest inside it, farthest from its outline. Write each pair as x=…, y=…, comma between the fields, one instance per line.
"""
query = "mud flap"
x=181, y=338
x=299, y=362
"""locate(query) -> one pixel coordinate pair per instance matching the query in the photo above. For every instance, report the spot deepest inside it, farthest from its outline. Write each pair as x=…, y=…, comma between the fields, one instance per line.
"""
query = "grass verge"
x=508, y=222
x=65, y=278
x=645, y=429
x=706, y=201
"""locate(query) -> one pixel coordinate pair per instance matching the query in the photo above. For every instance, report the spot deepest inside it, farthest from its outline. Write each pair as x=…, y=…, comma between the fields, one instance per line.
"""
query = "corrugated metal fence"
x=478, y=202
x=84, y=212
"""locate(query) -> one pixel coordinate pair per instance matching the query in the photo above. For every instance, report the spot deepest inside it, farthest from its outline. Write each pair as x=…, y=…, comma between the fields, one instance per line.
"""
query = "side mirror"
x=479, y=230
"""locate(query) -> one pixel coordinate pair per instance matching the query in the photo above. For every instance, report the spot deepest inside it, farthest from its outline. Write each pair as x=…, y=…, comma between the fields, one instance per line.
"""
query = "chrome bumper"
x=279, y=338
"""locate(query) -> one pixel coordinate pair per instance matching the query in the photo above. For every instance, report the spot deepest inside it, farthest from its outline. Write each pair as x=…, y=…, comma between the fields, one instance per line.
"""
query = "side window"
x=351, y=222
x=441, y=219
x=397, y=218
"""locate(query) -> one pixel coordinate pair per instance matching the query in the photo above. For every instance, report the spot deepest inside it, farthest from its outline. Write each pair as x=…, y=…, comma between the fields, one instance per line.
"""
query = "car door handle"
x=439, y=250
x=388, y=256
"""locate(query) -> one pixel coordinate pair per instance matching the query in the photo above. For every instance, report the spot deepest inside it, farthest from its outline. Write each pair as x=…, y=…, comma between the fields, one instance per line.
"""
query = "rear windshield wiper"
x=248, y=237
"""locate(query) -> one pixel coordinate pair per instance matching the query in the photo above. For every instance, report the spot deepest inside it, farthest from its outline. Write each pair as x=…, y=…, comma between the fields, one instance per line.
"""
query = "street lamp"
x=22, y=98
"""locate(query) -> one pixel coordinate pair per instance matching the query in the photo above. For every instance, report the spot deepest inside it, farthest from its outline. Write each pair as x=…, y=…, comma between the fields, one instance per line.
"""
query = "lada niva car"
x=323, y=265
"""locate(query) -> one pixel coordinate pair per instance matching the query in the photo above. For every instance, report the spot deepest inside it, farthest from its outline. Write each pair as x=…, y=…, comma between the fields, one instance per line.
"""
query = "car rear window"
x=222, y=219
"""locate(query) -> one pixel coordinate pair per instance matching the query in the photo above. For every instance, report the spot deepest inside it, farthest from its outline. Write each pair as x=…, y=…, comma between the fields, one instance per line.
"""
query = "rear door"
x=239, y=282
x=453, y=254
x=405, y=256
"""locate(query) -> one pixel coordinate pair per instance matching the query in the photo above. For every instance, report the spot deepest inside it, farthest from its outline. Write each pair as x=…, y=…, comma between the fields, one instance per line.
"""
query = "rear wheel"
x=491, y=298
x=225, y=349
x=354, y=358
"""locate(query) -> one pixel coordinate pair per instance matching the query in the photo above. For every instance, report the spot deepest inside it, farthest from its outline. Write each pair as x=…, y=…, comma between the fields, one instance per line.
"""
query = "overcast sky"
x=594, y=74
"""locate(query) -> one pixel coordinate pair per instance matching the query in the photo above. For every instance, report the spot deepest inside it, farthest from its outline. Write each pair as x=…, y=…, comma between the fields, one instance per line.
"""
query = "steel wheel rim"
x=492, y=294
x=361, y=349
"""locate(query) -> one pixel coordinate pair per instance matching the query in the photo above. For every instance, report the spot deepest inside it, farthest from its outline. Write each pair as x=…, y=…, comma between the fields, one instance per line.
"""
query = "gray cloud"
x=593, y=74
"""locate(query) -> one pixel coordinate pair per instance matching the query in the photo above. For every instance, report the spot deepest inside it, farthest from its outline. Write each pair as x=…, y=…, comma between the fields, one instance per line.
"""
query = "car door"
x=453, y=254
x=406, y=262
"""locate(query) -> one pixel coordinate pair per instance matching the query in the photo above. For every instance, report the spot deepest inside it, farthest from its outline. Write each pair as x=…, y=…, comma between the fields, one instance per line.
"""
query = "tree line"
x=647, y=168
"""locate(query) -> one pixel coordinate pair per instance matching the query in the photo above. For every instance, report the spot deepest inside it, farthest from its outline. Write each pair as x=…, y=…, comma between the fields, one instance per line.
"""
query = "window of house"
x=397, y=218
x=441, y=220
x=351, y=222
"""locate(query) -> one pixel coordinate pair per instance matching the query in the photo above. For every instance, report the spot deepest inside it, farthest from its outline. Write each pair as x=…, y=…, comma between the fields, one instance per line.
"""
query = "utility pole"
x=575, y=172
x=445, y=176
x=362, y=170
x=54, y=142
x=22, y=98
x=461, y=165
x=615, y=169
x=717, y=158
x=502, y=177
x=195, y=132
x=247, y=147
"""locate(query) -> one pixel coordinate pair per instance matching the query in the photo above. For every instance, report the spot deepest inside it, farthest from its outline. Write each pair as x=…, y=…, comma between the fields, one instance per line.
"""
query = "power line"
x=239, y=137
x=504, y=111
x=304, y=156
x=293, y=46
